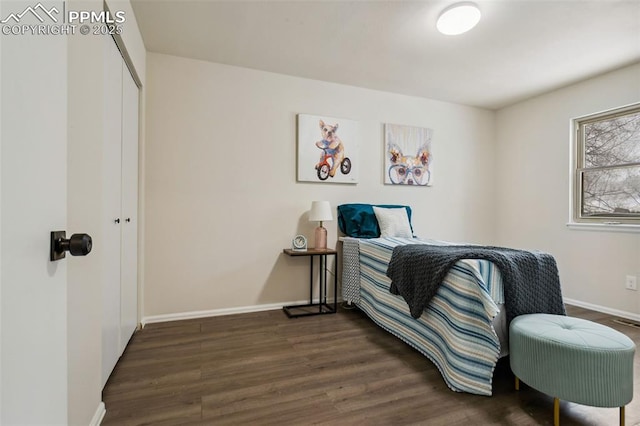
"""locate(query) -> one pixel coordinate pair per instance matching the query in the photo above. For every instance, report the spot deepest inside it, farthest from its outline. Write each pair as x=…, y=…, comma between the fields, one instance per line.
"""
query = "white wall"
x=532, y=183
x=222, y=199
x=1, y=278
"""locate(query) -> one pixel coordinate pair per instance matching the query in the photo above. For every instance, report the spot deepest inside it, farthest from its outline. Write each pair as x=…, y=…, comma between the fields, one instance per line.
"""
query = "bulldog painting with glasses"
x=408, y=152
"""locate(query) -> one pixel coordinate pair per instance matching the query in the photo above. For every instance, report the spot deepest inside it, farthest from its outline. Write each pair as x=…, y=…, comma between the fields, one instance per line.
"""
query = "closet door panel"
x=129, y=264
x=112, y=207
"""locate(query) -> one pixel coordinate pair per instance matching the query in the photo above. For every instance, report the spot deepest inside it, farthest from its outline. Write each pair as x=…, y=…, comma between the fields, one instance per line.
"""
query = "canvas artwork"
x=327, y=149
x=408, y=156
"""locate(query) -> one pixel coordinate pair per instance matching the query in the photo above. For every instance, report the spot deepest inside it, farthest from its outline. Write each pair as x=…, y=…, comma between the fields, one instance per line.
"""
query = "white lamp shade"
x=458, y=18
x=320, y=211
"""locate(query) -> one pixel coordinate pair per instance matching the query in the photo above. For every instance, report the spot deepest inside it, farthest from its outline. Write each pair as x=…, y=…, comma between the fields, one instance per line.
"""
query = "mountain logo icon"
x=39, y=11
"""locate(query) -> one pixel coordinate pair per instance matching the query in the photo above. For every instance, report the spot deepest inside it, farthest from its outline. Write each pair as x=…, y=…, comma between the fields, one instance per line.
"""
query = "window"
x=607, y=173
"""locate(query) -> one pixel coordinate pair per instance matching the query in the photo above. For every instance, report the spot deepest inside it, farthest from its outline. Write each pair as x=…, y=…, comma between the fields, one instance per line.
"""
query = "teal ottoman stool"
x=572, y=359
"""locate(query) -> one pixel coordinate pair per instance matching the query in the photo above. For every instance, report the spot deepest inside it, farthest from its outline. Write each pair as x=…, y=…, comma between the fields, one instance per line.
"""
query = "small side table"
x=322, y=307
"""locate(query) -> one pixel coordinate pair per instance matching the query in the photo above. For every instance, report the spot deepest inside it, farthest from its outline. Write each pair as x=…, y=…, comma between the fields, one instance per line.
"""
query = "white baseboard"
x=219, y=312
x=269, y=307
x=99, y=415
x=603, y=309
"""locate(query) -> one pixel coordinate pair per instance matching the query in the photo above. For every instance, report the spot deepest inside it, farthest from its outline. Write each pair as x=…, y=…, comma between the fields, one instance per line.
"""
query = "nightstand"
x=321, y=307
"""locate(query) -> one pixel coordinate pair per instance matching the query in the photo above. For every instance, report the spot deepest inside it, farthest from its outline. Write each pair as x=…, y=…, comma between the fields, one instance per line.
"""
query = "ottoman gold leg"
x=621, y=416
x=556, y=412
x=517, y=383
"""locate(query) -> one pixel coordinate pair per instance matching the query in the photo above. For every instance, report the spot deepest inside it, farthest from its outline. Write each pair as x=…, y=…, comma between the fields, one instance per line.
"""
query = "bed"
x=463, y=330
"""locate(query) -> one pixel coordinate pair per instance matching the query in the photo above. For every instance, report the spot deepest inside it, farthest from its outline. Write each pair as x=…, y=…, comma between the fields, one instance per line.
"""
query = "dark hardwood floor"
x=263, y=368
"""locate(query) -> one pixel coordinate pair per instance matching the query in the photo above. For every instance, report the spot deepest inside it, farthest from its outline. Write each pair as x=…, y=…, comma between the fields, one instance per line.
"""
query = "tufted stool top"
x=572, y=359
x=570, y=331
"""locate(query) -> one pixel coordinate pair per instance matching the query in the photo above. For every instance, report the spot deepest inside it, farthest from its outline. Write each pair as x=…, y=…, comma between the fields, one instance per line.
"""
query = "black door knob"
x=77, y=245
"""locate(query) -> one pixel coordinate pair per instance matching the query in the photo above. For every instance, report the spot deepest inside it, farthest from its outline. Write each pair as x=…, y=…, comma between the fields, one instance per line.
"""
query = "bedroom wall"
x=532, y=181
x=222, y=199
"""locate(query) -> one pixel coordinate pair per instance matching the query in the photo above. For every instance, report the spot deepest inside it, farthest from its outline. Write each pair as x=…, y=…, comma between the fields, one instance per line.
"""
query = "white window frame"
x=623, y=222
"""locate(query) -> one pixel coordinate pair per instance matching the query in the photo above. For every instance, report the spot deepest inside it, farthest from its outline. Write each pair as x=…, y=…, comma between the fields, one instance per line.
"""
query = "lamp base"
x=321, y=237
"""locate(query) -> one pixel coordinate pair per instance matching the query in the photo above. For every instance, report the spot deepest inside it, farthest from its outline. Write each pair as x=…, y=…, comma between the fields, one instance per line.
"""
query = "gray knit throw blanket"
x=530, y=279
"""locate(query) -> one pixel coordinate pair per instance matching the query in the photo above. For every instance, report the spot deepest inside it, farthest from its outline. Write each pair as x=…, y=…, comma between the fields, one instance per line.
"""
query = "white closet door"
x=129, y=265
x=112, y=206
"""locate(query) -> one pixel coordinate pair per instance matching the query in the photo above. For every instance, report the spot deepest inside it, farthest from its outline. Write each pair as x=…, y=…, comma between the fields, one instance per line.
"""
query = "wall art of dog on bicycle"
x=408, y=157
x=327, y=149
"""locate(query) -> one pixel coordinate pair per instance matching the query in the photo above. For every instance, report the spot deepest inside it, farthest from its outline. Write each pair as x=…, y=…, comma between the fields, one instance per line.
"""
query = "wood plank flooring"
x=265, y=369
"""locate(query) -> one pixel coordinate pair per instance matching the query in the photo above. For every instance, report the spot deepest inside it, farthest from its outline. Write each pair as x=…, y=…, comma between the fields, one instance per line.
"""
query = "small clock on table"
x=299, y=243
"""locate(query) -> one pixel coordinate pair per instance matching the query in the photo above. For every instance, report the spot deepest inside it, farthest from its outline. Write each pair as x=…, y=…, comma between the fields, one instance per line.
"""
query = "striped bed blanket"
x=530, y=279
x=456, y=331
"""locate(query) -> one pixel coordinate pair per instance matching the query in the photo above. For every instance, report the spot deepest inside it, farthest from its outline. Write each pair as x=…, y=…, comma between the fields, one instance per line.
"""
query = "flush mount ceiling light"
x=458, y=18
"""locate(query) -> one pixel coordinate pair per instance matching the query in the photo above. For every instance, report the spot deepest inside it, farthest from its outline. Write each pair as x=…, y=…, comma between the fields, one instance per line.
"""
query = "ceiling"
x=520, y=48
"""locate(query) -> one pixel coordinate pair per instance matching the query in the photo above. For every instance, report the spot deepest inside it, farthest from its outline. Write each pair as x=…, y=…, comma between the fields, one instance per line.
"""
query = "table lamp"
x=320, y=212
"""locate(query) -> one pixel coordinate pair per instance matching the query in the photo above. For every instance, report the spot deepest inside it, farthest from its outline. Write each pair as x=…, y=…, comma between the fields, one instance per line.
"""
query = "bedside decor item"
x=299, y=243
x=320, y=212
x=408, y=156
x=327, y=149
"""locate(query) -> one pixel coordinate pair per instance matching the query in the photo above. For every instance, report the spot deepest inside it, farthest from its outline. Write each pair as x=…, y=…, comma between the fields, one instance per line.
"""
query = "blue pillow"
x=359, y=220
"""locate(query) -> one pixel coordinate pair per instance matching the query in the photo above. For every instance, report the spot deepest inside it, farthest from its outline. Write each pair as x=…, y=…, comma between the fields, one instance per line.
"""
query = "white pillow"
x=393, y=222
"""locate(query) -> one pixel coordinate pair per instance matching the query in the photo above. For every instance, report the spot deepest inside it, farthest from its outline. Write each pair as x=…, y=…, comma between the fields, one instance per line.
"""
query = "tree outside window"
x=607, y=176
